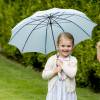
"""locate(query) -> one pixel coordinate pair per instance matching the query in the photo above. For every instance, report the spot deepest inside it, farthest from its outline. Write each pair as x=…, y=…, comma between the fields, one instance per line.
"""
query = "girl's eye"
x=63, y=46
x=68, y=45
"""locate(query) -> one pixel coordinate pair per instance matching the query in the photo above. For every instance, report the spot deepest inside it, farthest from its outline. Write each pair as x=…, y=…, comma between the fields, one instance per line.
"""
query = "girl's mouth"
x=64, y=51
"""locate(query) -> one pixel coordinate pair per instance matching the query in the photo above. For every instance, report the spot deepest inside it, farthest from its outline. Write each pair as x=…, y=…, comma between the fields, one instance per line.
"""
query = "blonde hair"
x=66, y=35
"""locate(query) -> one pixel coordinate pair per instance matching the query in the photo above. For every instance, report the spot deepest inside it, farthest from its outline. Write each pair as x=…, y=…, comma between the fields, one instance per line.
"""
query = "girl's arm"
x=50, y=69
x=70, y=69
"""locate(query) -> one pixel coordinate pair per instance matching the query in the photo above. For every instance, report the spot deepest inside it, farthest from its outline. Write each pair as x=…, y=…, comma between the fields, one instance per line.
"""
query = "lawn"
x=22, y=83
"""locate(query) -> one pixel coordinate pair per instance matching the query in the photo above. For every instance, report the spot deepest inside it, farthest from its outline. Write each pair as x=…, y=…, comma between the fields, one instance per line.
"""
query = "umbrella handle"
x=59, y=74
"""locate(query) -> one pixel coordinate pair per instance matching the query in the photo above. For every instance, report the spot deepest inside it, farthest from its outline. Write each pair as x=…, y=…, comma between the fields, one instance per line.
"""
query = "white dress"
x=58, y=92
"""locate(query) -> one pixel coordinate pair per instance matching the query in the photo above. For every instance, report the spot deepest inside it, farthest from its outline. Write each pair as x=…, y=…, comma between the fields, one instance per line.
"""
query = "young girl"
x=60, y=70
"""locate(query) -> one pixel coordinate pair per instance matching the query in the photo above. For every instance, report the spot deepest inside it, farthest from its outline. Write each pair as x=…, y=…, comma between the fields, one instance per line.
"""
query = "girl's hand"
x=57, y=70
x=59, y=63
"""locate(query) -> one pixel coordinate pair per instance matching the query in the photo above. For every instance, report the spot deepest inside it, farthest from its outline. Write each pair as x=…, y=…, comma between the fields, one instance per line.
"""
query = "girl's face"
x=65, y=47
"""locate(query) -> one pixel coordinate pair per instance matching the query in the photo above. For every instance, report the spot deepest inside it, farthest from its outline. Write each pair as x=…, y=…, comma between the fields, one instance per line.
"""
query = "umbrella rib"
x=46, y=15
x=36, y=24
x=38, y=19
x=40, y=27
x=76, y=25
x=58, y=24
x=56, y=17
x=46, y=38
x=71, y=15
x=31, y=33
x=81, y=17
x=21, y=28
x=52, y=33
x=54, y=14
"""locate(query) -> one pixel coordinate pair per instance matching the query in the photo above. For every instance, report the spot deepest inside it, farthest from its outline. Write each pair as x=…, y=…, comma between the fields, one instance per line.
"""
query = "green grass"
x=23, y=83
x=87, y=94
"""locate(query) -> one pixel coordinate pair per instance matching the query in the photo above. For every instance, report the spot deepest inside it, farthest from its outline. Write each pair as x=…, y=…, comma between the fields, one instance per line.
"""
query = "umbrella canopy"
x=39, y=32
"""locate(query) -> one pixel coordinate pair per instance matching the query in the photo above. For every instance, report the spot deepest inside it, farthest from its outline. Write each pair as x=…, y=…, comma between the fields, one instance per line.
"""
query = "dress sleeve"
x=70, y=68
x=48, y=70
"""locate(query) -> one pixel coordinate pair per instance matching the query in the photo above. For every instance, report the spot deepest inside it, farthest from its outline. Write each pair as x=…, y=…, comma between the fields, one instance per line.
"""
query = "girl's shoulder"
x=73, y=58
x=53, y=57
